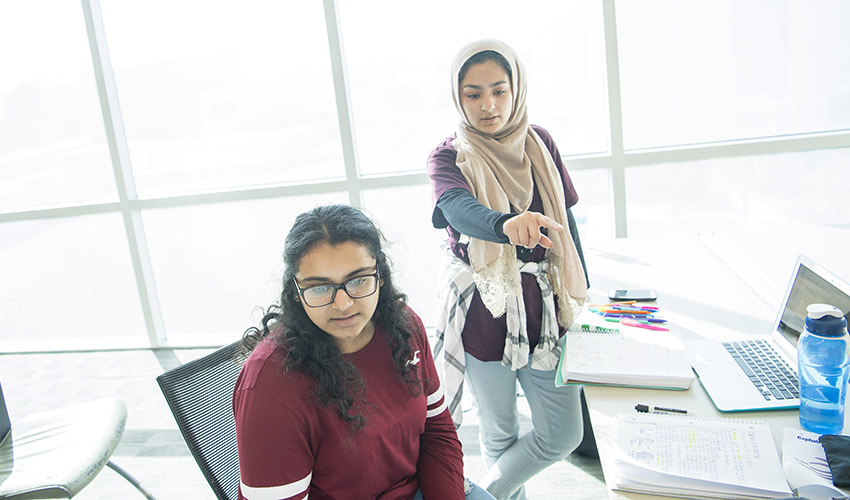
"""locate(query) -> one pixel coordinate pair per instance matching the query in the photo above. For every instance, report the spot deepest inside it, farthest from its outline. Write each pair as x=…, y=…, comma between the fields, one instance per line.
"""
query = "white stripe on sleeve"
x=276, y=492
x=436, y=411
x=436, y=395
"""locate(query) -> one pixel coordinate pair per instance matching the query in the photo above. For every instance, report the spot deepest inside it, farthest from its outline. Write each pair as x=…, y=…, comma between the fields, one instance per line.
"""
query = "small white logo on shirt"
x=415, y=360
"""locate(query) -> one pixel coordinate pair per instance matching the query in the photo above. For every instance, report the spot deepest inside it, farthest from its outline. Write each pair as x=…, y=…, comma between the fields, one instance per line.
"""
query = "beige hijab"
x=499, y=169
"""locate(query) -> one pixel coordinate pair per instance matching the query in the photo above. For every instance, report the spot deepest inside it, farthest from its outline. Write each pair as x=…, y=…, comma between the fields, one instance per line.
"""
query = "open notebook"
x=624, y=356
x=732, y=383
x=692, y=457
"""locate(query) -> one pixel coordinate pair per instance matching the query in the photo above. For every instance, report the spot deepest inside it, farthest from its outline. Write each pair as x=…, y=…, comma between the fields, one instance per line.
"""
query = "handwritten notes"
x=634, y=358
x=703, y=458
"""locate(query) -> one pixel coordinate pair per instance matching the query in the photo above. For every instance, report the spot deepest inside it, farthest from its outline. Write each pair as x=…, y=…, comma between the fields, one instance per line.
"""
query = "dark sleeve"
x=466, y=214
x=444, y=174
x=440, y=465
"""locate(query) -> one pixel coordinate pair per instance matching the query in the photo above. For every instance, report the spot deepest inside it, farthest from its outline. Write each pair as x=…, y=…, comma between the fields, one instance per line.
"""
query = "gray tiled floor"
x=152, y=448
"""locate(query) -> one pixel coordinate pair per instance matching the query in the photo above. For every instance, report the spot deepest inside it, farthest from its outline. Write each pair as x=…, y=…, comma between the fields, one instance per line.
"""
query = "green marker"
x=599, y=329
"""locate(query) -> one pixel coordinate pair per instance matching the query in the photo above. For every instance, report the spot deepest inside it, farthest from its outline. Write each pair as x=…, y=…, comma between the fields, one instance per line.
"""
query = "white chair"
x=55, y=454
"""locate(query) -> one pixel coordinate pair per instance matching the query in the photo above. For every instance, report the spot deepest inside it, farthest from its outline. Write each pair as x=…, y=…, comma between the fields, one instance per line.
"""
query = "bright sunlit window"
x=238, y=116
x=694, y=72
x=224, y=96
x=52, y=144
x=401, y=87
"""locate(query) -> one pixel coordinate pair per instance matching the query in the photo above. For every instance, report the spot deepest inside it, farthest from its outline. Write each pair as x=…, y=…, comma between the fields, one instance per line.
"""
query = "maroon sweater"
x=290, y=445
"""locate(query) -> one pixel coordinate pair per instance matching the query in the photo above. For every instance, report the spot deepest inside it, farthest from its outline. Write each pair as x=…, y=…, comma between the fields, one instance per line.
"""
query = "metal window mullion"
x=343, y=102
x=615, y=119
x=402, y=179
x=120, y=156
x=740, y=148
x=58, y=212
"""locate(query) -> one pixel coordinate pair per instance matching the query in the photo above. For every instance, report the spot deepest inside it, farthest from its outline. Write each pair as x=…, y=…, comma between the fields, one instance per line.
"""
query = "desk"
x=719, y=286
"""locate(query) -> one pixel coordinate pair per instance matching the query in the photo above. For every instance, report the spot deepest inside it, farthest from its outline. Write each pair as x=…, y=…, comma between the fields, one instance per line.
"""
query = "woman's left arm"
x=440, y=466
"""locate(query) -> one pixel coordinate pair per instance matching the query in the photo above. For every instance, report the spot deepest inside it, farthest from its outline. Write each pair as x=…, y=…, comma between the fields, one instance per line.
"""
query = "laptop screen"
x=5, y=424
x=811, y=286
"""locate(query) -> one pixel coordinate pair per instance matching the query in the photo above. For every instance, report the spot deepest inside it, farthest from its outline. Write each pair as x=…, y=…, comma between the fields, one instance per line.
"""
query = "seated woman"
x=339, y=398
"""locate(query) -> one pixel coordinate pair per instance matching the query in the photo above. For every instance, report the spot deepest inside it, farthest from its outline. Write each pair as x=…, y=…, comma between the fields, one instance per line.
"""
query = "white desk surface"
x=711, y=285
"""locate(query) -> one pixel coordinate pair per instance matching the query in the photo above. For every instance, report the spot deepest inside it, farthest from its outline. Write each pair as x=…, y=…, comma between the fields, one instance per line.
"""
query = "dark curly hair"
x=308, y=348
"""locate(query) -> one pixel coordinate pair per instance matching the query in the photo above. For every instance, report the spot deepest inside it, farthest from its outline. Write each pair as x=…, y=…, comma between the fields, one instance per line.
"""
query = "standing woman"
x=516, y=277
x=339, y=398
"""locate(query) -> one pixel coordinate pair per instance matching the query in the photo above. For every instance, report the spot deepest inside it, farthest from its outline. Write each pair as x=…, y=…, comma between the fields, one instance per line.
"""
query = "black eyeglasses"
x=322, y=295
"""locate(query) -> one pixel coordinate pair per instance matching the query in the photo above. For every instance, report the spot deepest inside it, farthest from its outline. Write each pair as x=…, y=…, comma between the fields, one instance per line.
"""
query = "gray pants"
x=555, y=415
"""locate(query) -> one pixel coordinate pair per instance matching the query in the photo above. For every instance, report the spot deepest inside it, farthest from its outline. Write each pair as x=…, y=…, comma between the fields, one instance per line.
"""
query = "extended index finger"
x=547, y=222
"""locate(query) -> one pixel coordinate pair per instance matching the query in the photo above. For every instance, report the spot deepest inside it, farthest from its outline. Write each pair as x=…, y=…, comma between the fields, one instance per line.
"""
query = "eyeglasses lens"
x=356, y=288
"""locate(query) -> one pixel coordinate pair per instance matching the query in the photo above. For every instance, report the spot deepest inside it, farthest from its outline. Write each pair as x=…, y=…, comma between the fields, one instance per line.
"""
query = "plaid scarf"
x=458, y=289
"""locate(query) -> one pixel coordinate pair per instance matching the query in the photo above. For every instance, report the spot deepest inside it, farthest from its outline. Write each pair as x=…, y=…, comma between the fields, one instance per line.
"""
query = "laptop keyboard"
x=771, y=375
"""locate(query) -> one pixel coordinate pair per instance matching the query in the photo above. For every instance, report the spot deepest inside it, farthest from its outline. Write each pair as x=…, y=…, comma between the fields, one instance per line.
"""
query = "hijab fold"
x=502, y=170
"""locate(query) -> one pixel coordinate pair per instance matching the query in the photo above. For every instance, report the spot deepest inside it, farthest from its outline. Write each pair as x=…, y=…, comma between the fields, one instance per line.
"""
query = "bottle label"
x=844, y=338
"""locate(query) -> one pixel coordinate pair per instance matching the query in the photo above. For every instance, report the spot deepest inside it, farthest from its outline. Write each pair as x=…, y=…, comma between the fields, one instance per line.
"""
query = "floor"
x=152, y=448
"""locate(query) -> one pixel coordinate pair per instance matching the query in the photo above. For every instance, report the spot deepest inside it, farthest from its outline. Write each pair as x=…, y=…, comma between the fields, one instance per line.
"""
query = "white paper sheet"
x=805, y=466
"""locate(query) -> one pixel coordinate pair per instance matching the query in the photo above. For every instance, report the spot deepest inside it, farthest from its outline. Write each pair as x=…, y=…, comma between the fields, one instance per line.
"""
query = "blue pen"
x=629, y=308
x=647, y=317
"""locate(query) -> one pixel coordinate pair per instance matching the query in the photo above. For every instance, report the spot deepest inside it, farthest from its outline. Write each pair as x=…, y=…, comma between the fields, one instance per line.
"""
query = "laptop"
x=5, y=424
x=735, y=374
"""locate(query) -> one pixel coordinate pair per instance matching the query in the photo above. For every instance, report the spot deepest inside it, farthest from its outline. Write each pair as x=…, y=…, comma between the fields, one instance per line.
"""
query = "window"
x=52, y=144
x=414, y=245
x=705, y=71
x=400, y=83
x=734, y=114
x=216, y=264
x=790, y=189
x=68, y=283
x=223, y=95
x=593, y=212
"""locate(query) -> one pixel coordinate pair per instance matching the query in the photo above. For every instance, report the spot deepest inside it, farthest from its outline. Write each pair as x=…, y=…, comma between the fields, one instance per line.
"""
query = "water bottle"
x=824, y=365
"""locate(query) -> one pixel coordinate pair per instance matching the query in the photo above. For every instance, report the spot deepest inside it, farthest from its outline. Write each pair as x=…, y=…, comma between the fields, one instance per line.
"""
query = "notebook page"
x=629, y=353
x=698, y=454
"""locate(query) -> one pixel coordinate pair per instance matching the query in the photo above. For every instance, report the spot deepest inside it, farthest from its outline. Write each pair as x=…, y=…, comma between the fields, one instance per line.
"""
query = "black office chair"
x=200, y=394
x=57, y=453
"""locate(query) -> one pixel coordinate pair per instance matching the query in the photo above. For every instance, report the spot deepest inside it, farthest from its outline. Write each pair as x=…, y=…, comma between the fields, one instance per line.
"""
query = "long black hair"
x=308, y=348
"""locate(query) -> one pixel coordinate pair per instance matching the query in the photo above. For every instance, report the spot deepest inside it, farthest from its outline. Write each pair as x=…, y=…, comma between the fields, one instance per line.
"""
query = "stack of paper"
x=806, y=468
x=631, y=357
x=690, y=457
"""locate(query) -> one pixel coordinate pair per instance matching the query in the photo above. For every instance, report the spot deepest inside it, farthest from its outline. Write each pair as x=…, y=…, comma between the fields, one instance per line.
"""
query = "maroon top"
x=484, y=336
x=285, y=435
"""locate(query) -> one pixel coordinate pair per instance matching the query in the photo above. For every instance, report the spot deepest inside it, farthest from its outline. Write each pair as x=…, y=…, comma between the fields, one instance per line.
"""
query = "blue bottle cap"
x=826, y=320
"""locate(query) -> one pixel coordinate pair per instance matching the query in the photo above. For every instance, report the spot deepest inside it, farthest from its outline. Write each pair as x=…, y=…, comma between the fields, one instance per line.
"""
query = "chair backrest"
x=200, y=395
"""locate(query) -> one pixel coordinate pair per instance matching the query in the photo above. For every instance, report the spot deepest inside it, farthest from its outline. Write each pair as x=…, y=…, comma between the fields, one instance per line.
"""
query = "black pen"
x=661, y=409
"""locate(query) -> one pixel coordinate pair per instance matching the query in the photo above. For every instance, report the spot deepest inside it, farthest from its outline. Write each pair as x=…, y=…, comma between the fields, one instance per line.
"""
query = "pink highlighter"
x=631, y=322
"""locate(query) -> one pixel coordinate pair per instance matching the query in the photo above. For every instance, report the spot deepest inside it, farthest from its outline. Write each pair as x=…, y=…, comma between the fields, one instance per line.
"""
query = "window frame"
x=130, y=205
